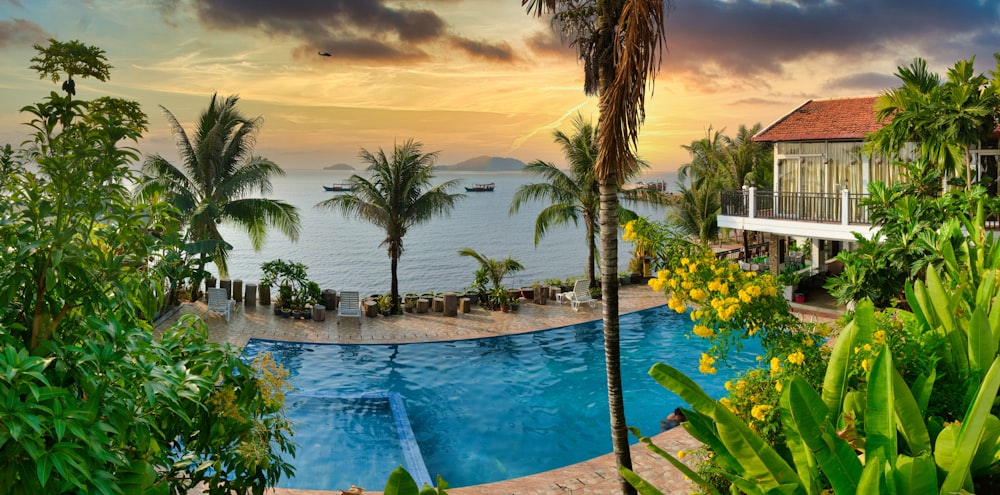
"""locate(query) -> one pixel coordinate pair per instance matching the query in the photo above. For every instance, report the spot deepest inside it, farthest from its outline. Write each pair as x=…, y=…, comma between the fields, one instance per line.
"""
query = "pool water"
x=484, y=410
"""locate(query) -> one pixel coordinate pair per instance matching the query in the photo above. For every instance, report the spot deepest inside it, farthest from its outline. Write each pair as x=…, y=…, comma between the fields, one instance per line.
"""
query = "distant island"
x=485, y=164
x=339, y=166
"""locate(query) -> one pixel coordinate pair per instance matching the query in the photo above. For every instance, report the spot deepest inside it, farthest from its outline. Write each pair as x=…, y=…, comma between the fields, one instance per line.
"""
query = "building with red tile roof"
x=829, y=119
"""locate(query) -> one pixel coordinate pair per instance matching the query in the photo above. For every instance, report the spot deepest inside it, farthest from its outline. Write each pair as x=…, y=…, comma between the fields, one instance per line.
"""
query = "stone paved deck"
x=596, y=476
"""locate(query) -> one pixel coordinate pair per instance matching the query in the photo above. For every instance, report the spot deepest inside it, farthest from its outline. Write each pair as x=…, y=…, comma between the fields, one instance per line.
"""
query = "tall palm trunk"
x=612, y=350
x=591, y=249
x=394, y=283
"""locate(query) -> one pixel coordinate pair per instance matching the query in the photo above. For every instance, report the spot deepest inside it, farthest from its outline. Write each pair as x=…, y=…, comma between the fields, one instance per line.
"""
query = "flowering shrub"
x=659, y=242
x=729, y=304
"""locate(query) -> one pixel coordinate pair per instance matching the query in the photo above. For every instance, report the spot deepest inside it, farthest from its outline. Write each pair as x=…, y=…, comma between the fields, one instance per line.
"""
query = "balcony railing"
x=843, y=207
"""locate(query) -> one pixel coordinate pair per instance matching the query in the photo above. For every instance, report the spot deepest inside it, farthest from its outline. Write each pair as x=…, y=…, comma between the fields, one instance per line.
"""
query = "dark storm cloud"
x=375, y=30
x=481, y=49
x=752, y=40
x=19, y=32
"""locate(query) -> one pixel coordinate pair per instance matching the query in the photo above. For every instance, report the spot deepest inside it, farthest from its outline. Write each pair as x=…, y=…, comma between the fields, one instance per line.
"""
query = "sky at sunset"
x=472, y=77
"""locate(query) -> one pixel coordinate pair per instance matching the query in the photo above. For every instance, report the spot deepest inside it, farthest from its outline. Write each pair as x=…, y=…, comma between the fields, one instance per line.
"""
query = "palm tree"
x=573, y=194
x=620, y=42
x=945, y=118
x=209, y=187
x=397, y=196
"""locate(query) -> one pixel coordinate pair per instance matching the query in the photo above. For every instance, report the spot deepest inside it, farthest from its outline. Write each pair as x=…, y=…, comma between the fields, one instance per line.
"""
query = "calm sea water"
x=483, y=410
x=345, y=254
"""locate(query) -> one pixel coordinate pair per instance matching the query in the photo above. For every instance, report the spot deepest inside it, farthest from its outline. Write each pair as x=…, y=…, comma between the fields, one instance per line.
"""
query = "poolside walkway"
x=596, y=476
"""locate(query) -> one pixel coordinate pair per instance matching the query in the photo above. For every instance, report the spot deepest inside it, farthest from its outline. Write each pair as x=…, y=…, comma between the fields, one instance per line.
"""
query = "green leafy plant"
x=95, y=403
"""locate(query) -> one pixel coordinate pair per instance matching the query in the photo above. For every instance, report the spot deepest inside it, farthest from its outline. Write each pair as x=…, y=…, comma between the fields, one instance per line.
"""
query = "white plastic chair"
x=350, y=304
x=580, y=295
x=219, y=303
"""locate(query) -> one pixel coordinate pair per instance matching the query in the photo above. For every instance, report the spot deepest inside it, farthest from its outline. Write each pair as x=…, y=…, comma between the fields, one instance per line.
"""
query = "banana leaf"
x=969, y=435
x=941, y=303
x=675, y=462
x=805, y=417
x=921, y=390
x=636, y=481
x=915, y=475
x=880, y=418
x=838, y=368
x=982, y=348
x=759, y=460
x=910, y=418
x=872, y=477
x=802, y=456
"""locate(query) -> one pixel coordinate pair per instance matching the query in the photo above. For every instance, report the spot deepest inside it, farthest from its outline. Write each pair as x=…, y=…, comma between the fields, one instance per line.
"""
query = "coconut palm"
x=573, y=194
x=396, y=196
x=218, y=170
x=619, y=42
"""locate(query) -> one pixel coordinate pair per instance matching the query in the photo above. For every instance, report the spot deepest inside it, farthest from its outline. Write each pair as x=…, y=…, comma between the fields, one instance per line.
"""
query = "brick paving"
x=596, y=476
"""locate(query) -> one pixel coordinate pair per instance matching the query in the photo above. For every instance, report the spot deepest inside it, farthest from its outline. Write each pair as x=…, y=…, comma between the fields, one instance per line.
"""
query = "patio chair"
x=580, y=295
x=219, y=303
x=350, y=304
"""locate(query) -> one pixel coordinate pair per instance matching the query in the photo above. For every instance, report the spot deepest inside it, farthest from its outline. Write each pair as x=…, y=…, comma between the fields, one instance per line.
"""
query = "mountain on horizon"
x=485, y=163
x=339, y=166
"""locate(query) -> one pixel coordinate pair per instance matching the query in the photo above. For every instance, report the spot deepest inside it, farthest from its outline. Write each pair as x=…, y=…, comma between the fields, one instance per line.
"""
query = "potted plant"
x=789, y=278
x=493, y=271
x=409, y=304
x=384, y=304
x=499, y=299
x=289, y=276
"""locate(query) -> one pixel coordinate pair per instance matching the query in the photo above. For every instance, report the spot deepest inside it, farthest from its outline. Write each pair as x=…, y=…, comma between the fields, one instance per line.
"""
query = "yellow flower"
x=703, y=331
x=865, y=365
x=698, y=294
x=729, y=385
x=681, y=454
x=760, y=411
x=744, y=296
x=868, y=347
x=726, y=402
x=796, y=357
x=685, y=261
x=705, y=364
x=778, y=386
x=775, y=365
x=879, y=336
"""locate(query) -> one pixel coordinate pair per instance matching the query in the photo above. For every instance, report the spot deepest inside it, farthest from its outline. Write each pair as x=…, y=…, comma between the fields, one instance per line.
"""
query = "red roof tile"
x=820, y=120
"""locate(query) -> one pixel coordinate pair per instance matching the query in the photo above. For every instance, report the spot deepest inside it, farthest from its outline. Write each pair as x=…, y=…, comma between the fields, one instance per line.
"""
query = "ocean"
x=345, y=253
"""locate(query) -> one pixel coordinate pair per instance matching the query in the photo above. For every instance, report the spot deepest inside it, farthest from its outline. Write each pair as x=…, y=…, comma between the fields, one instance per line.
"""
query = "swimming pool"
x=482, y=410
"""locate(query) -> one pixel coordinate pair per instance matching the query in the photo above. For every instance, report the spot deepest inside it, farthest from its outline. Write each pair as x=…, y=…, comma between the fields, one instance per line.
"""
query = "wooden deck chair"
x=219, y=303
x=580, y=295
x=350, y=304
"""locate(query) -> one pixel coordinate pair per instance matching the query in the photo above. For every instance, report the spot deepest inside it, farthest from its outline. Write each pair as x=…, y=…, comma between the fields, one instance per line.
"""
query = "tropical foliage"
x=574, y=194
x=619, y=43
x=718, y=163
x=92, y=402
x=218, y=171
x=945, y=117
x=396, y=197
x=914, y=391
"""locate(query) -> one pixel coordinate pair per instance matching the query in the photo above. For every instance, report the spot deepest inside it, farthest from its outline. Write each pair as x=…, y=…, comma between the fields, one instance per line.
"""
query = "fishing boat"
x=480, y=187
x=340, y=187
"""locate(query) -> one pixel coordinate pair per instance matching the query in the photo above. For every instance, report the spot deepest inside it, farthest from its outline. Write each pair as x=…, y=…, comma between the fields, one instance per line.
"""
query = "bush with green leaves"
x=92, y=402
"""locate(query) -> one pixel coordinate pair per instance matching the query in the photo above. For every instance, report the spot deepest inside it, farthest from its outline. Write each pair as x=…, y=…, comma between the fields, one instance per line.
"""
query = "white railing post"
x=845, y=207
x=751, y=203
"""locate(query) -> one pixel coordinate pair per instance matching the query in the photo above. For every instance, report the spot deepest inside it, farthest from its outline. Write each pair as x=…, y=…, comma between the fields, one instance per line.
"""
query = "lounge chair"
x=219, y=303
x=350, y=304
x=580, y=295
